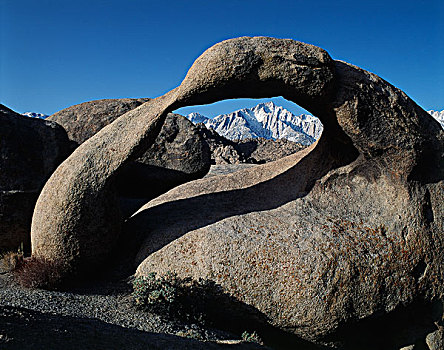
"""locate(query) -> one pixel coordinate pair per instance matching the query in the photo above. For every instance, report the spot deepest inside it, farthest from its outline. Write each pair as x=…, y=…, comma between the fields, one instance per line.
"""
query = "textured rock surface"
x=329, y=243
x=322, y=242
x=30, y=151
x=223, y=150
x=222, y=169
x=178, y=155
x=435, y=340
x=85, y=119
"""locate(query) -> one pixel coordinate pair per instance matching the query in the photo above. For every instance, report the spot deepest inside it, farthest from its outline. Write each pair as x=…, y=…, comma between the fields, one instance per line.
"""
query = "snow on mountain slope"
x=35, y=115
x=197, y=118
x=438, y=115
x=266, y=120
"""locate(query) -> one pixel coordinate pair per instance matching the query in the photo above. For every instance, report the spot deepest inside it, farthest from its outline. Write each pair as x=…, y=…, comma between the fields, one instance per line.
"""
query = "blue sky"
x=54, y=54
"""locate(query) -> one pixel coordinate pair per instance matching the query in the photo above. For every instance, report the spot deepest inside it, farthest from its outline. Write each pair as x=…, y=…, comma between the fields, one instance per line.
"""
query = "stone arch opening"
x=239, y=68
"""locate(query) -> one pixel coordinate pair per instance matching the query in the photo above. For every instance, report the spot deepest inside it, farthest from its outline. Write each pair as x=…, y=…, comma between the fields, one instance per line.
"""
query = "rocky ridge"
x=35, y=115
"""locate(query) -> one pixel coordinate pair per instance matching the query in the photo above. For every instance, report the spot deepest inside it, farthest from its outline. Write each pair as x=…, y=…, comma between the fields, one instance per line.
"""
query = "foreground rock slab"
x=328, y=244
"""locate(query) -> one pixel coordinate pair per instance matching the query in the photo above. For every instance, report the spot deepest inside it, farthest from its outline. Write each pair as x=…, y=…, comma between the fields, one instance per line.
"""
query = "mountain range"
x=266, y=120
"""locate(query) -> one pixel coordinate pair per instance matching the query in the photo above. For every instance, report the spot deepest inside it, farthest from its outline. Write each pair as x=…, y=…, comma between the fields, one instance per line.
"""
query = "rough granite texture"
x=331, y=243
x=30, y=150
x=84, y=120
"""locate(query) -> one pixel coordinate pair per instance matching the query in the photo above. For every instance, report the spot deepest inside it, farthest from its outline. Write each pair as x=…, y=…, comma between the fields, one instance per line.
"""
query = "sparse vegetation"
x=172, y=296
x=32, y=272
x=251, y=337
x=11, y=260
x=39, y=272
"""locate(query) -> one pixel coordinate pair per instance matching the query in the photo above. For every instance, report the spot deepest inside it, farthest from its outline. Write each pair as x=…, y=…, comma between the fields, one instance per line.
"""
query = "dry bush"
x=40, y=272
x=11, y=260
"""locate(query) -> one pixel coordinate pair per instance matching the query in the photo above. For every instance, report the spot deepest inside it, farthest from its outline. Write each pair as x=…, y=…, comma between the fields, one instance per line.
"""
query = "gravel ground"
x=99, y=316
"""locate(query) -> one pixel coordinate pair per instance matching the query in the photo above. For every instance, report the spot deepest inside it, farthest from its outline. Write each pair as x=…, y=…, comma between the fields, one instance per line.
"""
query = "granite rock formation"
x=84, y=120
x=328, y=243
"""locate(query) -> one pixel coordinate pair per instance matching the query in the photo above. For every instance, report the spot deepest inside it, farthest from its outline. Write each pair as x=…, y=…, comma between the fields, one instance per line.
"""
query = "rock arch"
x=376, y=141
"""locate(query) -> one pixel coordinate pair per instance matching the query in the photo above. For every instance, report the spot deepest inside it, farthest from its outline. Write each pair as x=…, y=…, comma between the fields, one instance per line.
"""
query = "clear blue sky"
x=54, y=54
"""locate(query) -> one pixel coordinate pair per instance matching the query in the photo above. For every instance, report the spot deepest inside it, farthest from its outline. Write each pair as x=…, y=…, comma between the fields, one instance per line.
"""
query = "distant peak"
x=269, y=104
x=35, y=115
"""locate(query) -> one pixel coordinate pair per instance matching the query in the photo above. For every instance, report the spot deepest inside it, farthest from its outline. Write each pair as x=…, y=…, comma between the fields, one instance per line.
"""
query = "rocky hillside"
x=252, y=151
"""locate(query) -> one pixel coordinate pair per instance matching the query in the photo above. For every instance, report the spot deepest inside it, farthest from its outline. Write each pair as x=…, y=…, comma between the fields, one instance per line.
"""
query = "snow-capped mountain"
x=197, y=118
x=439, y=116
x=266, y=120
x=35, y=115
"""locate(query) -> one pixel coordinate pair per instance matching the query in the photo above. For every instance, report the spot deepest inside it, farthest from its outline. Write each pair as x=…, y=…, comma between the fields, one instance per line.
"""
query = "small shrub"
x=157, y=294
x=11, y=261
x=173, y=296
x=251, y=337
x=39, y=272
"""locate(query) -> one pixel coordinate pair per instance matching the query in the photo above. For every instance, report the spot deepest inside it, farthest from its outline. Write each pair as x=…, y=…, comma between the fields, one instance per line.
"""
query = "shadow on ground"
x=22, y=329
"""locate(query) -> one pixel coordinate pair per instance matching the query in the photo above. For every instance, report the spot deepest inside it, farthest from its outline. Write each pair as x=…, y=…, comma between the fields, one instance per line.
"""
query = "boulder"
x=77, y=217
x=332, y=243
x=178, y=154
x=30, y=149
x=85, y=119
